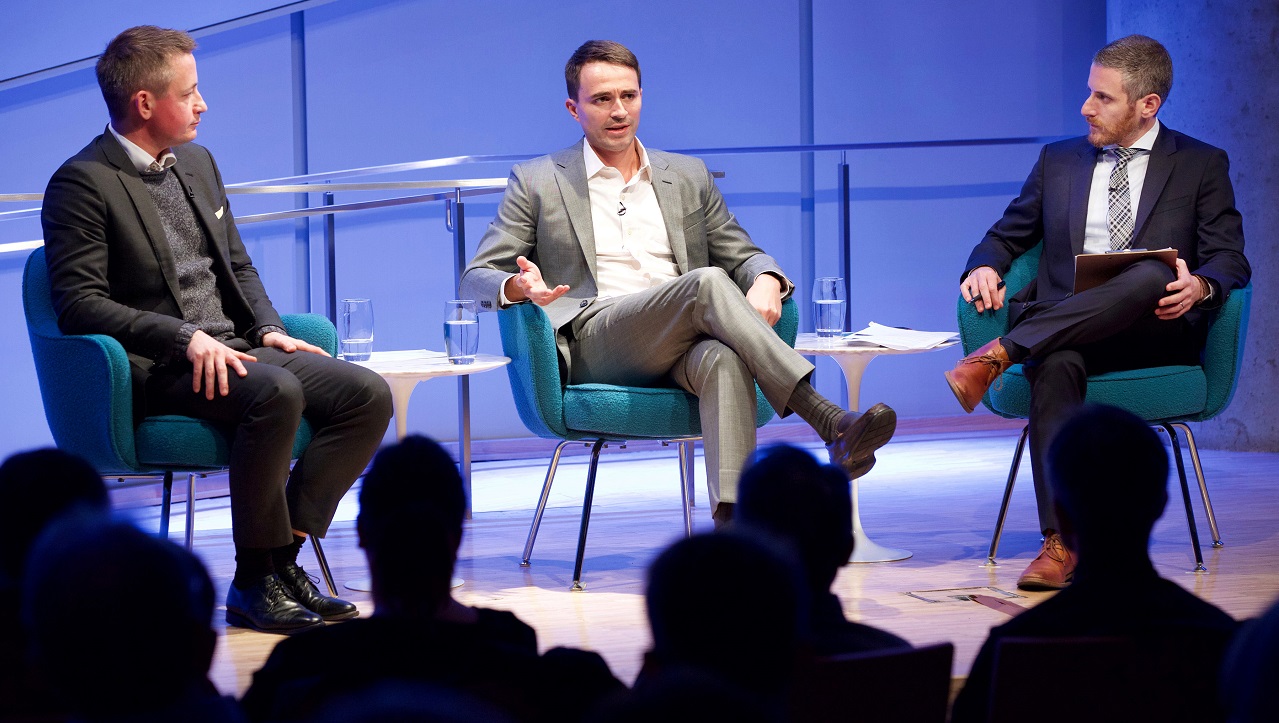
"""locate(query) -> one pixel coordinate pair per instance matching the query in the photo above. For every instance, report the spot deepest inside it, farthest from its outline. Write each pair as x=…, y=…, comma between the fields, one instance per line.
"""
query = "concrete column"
x=1226, y=92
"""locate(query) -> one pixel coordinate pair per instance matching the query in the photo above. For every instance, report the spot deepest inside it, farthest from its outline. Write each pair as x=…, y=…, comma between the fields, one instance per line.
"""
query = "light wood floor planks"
x=934, y=494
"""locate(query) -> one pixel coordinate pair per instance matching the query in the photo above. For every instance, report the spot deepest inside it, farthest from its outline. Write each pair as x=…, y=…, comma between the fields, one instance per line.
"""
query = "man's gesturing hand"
x=528, y=284
x=209, y=359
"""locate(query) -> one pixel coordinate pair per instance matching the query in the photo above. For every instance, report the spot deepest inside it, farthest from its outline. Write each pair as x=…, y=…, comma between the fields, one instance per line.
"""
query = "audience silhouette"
x=1109, y=476
x=35, y=488
x=753, y=588
x=121, y=623
x=410, y=526
x=1250, y=673
x=786, y=492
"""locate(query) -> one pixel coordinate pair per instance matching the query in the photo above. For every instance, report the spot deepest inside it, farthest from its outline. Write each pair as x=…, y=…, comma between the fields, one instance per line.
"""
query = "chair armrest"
x=534, y=371
x=313, y=329
x=787, y=326
x=1223, y=352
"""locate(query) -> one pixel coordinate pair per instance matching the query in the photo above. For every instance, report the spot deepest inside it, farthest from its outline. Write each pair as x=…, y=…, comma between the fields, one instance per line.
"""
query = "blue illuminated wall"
x=390, y=81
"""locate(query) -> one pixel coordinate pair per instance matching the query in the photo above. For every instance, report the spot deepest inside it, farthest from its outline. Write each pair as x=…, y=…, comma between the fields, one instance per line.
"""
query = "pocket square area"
x=218, y=212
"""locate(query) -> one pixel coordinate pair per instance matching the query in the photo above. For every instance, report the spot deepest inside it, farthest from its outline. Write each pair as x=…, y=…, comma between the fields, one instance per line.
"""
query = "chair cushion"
x=176, y=442
x=631, y=412
x=1155, y=394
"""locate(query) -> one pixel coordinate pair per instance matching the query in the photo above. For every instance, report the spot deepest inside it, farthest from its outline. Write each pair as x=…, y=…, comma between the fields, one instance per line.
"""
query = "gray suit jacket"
x=546, y=216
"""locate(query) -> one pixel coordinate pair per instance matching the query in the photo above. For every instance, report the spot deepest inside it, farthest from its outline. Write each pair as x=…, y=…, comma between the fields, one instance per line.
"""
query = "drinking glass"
x=461, y=331
x=828, y=306
x=357, y=329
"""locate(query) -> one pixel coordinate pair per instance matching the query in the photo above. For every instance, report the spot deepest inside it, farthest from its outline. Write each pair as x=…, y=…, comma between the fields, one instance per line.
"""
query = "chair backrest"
x=1167, y=675
x=534, y=371
x=977, y=329
x=85, y=381
x=911, y=684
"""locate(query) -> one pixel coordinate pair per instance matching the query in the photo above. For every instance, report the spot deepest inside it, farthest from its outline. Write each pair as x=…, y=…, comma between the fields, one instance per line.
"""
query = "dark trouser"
x=1108, y=328
x=348, y=407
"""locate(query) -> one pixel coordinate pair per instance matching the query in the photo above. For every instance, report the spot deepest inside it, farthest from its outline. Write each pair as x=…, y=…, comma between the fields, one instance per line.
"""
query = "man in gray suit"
x=648, y=279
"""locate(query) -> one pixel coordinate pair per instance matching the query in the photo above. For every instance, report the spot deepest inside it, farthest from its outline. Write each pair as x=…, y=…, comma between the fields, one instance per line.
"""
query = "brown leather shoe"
x=973, y=375
x=857, y=437
x=1052, y=569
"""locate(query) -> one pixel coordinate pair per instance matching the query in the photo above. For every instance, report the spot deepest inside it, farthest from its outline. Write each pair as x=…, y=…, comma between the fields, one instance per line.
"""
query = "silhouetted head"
x=410, y=522
x=36, y=487
x=1109, y=475
x=1251, y=669
x=788, y=493
x=120, y=621
x=728, y=603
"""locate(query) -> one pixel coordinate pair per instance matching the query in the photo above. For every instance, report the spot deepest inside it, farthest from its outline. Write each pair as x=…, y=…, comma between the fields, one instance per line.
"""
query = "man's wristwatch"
x=1207, y=290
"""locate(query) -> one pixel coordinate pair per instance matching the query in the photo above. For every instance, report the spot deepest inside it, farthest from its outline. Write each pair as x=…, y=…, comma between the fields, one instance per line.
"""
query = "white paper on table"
x=891, y=337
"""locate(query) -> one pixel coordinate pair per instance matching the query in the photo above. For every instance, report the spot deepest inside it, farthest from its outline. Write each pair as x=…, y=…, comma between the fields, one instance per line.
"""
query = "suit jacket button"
x=583, y=304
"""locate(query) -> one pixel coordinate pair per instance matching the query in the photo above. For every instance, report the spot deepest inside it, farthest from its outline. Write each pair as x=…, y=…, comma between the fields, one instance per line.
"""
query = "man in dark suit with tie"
x=1131, y=183
x=142, y=246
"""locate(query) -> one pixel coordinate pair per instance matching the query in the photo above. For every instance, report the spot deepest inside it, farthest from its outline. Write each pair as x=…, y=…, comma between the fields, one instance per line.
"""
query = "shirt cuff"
x=502, y=301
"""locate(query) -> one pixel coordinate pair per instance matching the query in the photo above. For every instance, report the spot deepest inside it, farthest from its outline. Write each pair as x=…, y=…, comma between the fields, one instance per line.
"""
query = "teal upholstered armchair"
x=88, y=401
x=1166, y=397
x=601, y=412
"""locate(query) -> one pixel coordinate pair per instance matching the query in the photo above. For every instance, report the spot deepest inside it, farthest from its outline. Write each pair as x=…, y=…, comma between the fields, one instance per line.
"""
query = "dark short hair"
x=138, y=59
x=1109, y=472
x=597, y=51
x=1144, y=64
x=753, y=586
x=152, y=601
x=411, y=509
x=787, y=492
x=37, y=486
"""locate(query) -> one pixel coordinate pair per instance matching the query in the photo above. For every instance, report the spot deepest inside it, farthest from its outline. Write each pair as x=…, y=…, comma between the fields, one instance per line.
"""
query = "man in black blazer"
x=142, y=246
x=1131, y=183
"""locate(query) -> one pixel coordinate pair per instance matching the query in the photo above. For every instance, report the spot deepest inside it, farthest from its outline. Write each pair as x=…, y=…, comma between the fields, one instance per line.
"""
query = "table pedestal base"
x=866, y=549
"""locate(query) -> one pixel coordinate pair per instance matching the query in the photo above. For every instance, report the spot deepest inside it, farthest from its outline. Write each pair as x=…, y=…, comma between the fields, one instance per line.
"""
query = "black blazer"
x=111, y=268
x=1187, y=203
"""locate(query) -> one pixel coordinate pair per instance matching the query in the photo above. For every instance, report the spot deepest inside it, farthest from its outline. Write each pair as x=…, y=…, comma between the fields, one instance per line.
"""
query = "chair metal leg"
x=586, y=512
x=1185, y=496
x=685, y=473
x=690, y=476
x=1203, y=484
x=541, y=503
x=1008, y=493
x=166, y=503
x=325, y=572
x=191, y=510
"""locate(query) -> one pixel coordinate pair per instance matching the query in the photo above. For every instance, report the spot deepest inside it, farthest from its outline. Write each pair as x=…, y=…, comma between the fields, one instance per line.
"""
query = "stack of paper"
x=891, y=337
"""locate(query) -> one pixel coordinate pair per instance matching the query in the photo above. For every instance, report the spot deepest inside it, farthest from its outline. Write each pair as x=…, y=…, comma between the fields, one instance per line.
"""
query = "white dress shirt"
x=141, y=159
x=1096, y=230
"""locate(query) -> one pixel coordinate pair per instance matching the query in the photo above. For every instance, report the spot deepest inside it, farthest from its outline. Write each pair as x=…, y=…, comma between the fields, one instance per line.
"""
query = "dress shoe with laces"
x=267, y=605
x=973, y=375
x=859, y=435
x=302, y=587
x=1052, y=569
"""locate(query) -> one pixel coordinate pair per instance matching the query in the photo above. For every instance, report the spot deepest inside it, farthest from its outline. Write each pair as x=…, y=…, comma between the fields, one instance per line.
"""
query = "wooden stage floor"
x=934, y=494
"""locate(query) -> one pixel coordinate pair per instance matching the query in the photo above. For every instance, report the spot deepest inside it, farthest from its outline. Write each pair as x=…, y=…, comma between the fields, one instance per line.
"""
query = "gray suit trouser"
x=699, y=332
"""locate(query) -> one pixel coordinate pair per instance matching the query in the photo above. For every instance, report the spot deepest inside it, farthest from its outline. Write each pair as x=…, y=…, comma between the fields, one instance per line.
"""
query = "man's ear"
x=571, y=105
x=1149, y=105
x=143, y=103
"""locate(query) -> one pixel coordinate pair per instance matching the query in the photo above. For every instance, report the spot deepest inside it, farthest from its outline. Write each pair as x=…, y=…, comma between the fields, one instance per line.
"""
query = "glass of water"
x=461, y=331
x=828, y=306
x=356, y=317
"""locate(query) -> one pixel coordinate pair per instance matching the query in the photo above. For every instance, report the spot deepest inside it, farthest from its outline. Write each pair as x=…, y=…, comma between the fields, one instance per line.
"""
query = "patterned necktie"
x=1119, y=218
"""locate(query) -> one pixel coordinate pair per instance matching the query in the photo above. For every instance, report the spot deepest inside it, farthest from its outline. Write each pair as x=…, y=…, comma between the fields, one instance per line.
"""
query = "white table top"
x=426, y=364
x=810, y=343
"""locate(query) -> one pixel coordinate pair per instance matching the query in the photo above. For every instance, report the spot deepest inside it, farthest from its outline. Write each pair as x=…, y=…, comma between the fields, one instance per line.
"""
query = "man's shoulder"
x=677, y=162
x=1182, y=143
x=1069, y=147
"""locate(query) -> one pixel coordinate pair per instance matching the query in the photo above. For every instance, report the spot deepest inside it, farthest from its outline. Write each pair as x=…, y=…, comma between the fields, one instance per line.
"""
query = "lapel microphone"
x=621, y=209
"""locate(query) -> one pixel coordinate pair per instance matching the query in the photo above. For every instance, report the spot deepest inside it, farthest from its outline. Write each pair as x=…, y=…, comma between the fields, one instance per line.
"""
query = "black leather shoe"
x=859, y=435
x=268, y=606
x=304, y=591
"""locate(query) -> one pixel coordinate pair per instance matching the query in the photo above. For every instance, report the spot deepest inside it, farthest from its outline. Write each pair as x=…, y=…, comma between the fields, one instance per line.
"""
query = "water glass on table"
x=828, y=306
x=461, y=331
x=356, y=329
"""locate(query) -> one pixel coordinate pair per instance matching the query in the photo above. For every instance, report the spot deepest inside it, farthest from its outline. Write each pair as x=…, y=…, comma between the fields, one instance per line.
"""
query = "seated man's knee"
x=1150, y=278
x=279, y=393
